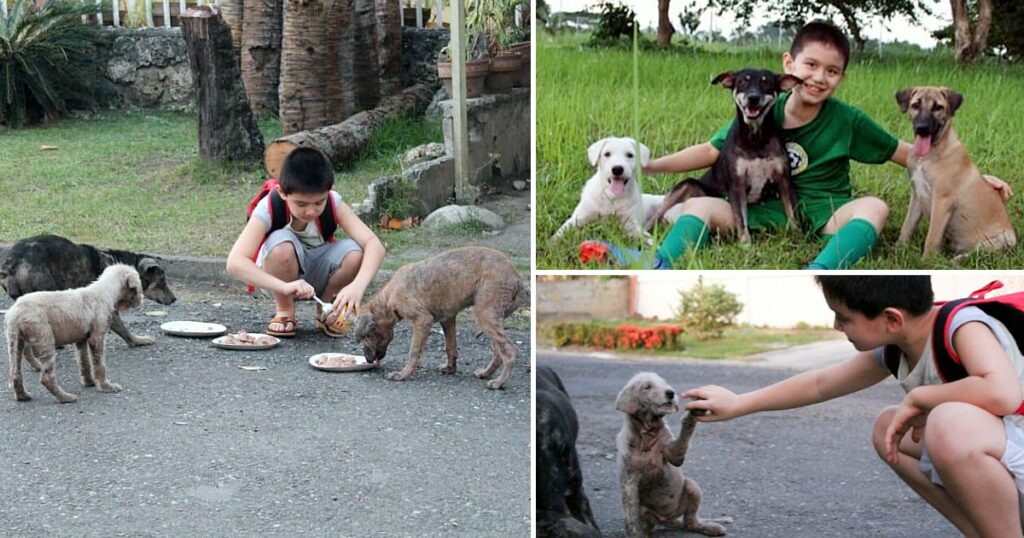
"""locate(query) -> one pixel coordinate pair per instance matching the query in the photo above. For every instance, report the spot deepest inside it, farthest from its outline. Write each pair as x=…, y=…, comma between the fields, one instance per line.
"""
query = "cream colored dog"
x=654, y=490
x=613, y=189
x=42, y=322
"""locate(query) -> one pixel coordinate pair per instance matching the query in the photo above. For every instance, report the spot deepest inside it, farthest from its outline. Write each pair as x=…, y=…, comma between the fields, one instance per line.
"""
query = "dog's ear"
x=594, y=151
x=725, y=79
x=903, y=98
x=362, y=327
x=788, y=82
x=626, y=402
x=954, y=98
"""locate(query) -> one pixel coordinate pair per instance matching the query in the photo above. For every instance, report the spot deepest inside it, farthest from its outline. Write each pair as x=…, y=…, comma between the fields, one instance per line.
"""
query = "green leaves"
x=47, y=59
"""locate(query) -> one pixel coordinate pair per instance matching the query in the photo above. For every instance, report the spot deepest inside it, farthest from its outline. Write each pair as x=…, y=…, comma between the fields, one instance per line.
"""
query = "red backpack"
x=1008, y=309
x=279, y=215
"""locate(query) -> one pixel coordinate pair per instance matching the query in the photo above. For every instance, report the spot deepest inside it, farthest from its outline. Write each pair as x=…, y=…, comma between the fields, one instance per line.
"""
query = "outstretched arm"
x=373, y=255
x=692, y=158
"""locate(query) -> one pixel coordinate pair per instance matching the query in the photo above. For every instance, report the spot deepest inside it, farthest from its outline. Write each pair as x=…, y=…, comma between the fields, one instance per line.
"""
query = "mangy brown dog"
x=962, y=209
x=436, y=290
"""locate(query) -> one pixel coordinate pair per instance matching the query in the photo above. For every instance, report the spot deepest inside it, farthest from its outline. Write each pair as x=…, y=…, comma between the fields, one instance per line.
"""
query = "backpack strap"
x=892, y=355
x=947, y=361
x=328, y=222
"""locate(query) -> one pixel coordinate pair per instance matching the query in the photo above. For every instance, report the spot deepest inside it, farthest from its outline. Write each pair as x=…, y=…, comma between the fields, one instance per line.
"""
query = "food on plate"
x=245, y=339
x=336, y=360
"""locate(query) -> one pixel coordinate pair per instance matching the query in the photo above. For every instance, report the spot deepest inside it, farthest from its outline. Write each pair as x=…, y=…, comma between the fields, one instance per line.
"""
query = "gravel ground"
x=195, y=445
x=809, y=472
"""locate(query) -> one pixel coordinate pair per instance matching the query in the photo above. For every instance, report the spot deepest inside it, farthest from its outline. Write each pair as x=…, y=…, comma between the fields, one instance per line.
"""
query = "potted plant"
x=409, y=14
x=506, y=61
x=478, y=62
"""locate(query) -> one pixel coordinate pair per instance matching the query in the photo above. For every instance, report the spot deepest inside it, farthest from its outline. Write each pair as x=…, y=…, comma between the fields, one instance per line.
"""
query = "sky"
x=897, y=28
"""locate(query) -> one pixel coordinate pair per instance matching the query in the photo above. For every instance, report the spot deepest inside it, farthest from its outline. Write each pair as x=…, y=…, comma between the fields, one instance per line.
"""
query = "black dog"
x=562, y=507
x=753, y=155
x=49, y=262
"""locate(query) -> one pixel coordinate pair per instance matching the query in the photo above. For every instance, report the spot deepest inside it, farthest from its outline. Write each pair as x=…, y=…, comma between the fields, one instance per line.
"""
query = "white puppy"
x=613, y=190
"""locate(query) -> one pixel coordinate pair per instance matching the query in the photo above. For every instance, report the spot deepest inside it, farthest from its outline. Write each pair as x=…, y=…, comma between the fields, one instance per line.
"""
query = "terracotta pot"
x=504, y=73
x=524, y=70
x=476, y=72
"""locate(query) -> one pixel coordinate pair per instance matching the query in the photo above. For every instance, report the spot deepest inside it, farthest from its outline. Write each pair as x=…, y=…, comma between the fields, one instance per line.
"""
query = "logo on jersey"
x=797, y=158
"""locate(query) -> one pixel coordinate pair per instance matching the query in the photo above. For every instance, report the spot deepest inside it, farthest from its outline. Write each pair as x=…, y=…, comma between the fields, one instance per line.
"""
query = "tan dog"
x=436, y=290
x=654, y=490
x=964, y=212
x=41, y=322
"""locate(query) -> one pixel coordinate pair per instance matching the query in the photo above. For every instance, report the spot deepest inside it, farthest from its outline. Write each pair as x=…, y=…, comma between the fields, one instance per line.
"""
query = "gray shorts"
x=316, y=264
x=1013, y=460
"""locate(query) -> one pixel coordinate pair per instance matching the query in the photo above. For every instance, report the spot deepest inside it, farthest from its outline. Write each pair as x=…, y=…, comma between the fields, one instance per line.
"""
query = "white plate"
x=219, y=342
x=194, y=329
x=360, y=364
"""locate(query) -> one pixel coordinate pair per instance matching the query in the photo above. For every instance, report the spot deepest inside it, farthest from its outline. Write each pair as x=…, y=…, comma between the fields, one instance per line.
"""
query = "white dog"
x=654, y=491
x=42, y=322
x=613, y=190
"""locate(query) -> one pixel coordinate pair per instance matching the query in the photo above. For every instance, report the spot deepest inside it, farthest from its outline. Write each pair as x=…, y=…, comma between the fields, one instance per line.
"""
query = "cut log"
x=227, y=127
x=342, y=141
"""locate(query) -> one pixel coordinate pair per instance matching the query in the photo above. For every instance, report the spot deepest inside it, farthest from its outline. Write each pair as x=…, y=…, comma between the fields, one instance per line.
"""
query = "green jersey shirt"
x=820, y=152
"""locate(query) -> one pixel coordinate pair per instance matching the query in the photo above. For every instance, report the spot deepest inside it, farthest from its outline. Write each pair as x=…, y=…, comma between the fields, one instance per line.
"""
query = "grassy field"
x=735, y=343
x=586, y=94
x=134, y=181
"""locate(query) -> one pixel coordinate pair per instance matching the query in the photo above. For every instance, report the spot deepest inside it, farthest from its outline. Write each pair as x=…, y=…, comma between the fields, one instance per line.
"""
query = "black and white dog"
x=562, y=506
x=51, y=263
x=753, y=155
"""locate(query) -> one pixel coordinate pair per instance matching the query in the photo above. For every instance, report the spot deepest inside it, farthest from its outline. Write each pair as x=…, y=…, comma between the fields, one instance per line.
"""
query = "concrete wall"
x=148, y=67
x=499, y=134
x=582, y=299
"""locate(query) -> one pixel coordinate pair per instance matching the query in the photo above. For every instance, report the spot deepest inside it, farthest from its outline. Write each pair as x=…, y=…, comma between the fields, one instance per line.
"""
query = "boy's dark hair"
x=869, y=295
x=306, y=171
x=821, y=32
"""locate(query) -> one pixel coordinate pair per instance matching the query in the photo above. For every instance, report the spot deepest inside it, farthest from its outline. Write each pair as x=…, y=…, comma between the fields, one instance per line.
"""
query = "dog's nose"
x=617, y=170
x=670, y=394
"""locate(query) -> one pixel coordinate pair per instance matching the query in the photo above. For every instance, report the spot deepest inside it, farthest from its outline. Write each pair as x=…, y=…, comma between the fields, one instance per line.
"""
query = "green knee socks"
x=851, y=243
x=688, y=232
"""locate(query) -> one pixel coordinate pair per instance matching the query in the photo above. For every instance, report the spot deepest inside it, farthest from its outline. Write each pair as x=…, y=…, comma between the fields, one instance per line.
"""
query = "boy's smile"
x=821, y=68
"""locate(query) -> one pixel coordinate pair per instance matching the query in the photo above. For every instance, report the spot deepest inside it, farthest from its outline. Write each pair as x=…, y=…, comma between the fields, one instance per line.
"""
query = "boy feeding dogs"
x=821, y=135
x=965, y=454
x=288, y=248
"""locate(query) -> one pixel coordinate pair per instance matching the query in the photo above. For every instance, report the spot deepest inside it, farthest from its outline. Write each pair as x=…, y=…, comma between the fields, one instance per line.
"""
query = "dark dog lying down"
x=51, y=263
x=562, y=506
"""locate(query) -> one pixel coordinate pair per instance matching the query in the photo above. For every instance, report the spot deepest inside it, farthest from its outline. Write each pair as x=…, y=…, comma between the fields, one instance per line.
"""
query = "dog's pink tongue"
x=618, y=186
x=922, y=145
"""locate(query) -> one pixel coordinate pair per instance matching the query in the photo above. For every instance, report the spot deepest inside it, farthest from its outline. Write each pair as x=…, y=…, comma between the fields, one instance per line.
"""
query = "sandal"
x=327, y=329
x=287, y=321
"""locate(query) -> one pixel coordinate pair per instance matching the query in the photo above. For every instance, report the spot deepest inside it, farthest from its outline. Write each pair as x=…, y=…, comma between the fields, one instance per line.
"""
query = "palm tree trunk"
x=231, y=11
x=365, y=67
x=311, y=91
x=261, y=54
x=389, y=46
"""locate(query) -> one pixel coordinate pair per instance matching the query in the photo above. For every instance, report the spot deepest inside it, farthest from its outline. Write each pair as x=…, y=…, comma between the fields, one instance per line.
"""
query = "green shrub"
x=47, y=60
x=616, y=21
x=706, y=310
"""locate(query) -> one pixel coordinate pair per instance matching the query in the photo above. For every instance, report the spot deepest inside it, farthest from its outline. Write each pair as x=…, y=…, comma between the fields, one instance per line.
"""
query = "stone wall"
x=148, y=67
x=499, y=134
x=582, y=299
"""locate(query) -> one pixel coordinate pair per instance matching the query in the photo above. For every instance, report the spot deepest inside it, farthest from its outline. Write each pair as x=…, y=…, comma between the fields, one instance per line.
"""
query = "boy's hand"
x=712, y=403
x=1002, y=187
x=298, y=288
x=907, y=416
x=348, y=298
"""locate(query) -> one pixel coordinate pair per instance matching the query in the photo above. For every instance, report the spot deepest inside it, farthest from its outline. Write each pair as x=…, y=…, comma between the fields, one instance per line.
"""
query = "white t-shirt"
x=310, y=236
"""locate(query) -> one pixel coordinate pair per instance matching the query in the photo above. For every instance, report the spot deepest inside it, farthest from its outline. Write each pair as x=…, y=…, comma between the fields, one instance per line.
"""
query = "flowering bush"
x=624, y=336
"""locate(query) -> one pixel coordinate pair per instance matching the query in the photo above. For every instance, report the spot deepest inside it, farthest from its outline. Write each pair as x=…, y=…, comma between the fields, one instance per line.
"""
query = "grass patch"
x=584, y=95
x=133, y=180
x=736, y=342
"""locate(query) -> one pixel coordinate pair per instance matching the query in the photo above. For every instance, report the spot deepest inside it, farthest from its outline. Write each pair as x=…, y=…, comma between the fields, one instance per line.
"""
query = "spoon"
x=326, y=307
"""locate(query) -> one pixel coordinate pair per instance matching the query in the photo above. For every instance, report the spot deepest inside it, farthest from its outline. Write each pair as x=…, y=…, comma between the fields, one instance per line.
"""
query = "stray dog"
x=49, y=262
x=753, y=155
x=562, y=506
x=41, y=322
x=654, y=490
x=613, y=189
x=963, y=211
x=436, y=290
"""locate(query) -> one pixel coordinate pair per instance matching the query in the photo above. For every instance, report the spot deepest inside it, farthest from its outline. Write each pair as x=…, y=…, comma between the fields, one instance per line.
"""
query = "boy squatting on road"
x=821, y=135
x=296, y=261
x=965, y=455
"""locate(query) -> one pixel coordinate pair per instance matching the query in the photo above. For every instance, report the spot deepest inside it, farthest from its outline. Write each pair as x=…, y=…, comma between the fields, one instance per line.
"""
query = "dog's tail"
x=681, y=192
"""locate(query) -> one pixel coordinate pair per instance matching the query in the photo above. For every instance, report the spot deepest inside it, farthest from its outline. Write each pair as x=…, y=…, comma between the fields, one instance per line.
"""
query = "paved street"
x=809, y=472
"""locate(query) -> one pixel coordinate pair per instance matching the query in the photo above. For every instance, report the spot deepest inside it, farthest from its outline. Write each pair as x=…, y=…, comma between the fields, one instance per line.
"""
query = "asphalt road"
x=197, y=446
x=809, y=472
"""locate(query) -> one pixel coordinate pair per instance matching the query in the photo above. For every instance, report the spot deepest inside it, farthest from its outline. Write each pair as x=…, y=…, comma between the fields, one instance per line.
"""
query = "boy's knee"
x=944, y=434
x=875, y=210
x=282, y=253
x=353, y=259
x=878, y=432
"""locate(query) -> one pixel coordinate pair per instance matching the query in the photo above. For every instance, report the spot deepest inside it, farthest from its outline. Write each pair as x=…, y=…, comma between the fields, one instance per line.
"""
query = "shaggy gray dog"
x=41, y=322
x=654, y=490
x=435, y=290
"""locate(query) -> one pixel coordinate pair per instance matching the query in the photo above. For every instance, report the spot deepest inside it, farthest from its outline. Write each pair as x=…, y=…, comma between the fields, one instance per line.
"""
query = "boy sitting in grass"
x=821, y=134
x=297, y=260
x=965, y=456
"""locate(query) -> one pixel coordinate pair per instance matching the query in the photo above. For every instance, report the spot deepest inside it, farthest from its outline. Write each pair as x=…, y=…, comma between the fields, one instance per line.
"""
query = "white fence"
x=165, y=12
